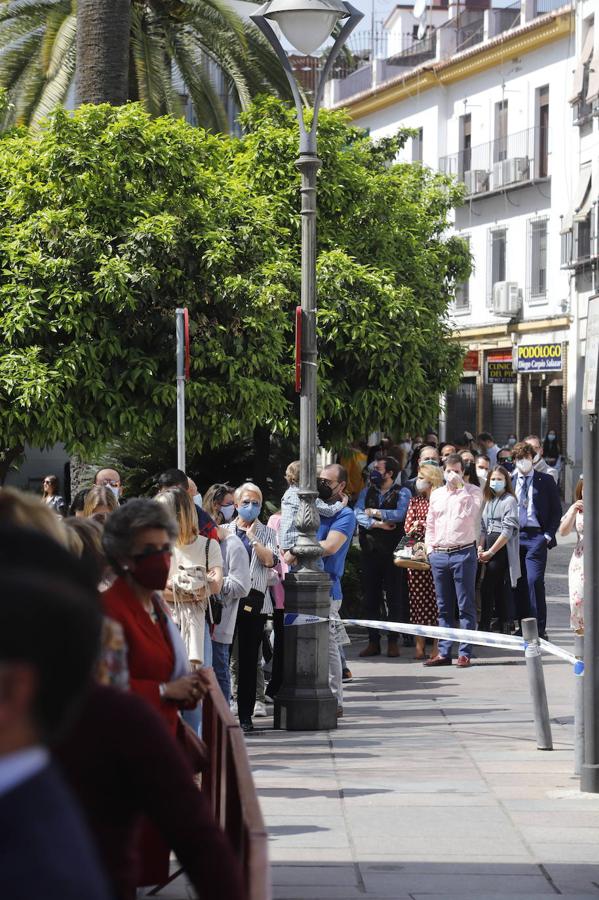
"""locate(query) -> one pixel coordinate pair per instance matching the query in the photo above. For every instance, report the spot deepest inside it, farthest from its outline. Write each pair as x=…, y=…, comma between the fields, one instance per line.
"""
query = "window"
x=417, y=146
x=465, y=143
x=542, y=141
x=462, y=293
x=497, y=260
x=582, y=238
x=500, y=143
x=538, y=259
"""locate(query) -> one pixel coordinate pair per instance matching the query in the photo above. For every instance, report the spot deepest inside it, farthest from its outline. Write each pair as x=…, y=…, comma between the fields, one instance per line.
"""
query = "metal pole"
x=589, y=780
x=180, y=335
x=305, y=701
x=589, y=776
x=536, y=684
x=578, y=705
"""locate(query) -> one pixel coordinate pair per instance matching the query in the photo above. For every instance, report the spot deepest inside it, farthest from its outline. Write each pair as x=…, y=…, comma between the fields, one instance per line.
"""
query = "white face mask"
x=524, y=466
x=536, y=458
x=483, y=474
x=115, y=490
x=422, y=484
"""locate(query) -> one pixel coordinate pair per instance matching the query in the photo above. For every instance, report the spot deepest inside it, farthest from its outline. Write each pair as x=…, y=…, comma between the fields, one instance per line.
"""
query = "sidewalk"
x=432, y=785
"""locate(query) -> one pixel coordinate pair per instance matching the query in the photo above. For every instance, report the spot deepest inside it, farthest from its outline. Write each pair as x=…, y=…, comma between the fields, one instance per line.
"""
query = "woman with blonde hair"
x=421, y=588
x=26, y=511
x=196, y=572
x=100, y=502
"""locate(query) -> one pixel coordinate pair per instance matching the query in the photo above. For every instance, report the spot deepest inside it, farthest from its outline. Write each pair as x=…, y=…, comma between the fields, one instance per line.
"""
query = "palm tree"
x=171, y=43
x=102, y=48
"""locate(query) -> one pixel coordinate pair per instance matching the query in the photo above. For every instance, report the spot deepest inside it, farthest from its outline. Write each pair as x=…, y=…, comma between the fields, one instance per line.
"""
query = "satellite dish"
x=419, y=8
x=421, y=31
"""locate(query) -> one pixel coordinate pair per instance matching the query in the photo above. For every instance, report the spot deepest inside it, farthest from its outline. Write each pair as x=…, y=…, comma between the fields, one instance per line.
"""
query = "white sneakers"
x=260, y=711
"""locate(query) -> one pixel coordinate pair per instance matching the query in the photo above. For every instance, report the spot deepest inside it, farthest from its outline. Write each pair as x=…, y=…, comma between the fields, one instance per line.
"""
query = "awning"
x=593, y=89
x=585, y=56
x=582, y=197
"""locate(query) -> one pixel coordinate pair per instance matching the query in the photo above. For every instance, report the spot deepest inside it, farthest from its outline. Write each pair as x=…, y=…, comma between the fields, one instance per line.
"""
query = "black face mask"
x=325, y=491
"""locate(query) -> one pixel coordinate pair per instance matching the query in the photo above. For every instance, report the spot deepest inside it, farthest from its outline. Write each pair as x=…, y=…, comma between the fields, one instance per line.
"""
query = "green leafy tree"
x=109, y=220
x=131, y=50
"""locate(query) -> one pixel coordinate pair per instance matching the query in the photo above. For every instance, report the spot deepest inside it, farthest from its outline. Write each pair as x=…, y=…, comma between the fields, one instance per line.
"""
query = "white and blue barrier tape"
x=482, y=638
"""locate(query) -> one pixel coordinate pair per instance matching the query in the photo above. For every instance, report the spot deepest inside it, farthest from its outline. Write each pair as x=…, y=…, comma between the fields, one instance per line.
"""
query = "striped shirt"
x=259, y=573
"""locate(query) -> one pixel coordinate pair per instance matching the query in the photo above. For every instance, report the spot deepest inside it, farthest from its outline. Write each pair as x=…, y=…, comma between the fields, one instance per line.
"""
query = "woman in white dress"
x=196, y=572
x=573, y=519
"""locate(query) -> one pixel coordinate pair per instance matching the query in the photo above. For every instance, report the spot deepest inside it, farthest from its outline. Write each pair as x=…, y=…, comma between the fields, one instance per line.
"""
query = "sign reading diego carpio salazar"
x=539, y=357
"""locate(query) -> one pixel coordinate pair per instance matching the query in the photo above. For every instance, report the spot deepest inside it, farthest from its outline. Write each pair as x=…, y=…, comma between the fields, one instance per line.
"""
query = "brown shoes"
x=370, y=650
x=463, y=662
x=393, y=649
x=438, y=661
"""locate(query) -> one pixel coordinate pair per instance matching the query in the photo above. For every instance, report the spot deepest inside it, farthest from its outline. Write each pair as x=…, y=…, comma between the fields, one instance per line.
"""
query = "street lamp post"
x=305, y=702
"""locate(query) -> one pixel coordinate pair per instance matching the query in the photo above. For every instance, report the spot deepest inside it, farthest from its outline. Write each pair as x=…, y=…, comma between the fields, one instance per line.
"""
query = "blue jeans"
x=530, y=590
x=220, y=663
x=454, y=575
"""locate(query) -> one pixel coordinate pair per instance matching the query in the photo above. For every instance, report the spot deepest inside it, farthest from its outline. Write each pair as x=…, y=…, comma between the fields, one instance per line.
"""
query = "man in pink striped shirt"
x=452, y=531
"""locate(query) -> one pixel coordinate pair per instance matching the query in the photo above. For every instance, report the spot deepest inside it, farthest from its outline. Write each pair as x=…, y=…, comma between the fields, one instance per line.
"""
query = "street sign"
x=591, y=360
x=500, y=369
x=471, y=361
x=539, y=357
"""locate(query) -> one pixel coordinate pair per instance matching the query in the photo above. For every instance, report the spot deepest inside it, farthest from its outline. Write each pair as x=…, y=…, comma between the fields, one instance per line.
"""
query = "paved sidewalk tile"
x=432, y=786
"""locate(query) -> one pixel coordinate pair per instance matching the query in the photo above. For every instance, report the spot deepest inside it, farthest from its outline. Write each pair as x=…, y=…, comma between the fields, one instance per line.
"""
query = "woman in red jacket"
x=137, y=540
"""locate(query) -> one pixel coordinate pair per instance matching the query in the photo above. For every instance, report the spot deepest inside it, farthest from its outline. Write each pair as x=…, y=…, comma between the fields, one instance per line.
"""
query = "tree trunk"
x=261, y=456
x=102, y=73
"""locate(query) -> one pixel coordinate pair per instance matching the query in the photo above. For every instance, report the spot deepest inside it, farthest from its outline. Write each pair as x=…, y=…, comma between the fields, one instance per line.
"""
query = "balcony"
x=464, y=30
x=506, y=163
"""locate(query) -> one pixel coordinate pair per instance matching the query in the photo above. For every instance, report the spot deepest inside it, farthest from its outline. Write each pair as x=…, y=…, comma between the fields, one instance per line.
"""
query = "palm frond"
x=60, y=72
x=208, y=105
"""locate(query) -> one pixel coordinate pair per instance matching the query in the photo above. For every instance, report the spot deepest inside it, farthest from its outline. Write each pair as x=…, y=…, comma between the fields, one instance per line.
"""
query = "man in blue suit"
x=540, y=511
x=50, y=625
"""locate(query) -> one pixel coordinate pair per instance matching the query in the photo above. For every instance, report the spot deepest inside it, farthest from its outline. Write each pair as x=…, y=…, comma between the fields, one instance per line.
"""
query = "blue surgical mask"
x=228, y=511
x=430, y=462
x=249, y=511
x=497, y=486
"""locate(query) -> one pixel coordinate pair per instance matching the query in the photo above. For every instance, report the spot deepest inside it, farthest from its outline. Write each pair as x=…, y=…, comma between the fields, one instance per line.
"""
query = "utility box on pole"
x=589, y=778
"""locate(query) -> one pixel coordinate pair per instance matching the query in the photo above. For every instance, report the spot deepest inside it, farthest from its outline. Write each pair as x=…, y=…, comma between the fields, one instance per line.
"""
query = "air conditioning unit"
x=515, y=169
x=497, y=176
x=510, y=171
x=507, y=298
x=476, y=181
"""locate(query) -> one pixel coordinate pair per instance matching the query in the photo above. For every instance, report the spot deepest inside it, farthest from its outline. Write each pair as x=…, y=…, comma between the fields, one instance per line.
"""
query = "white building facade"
x=504, y=102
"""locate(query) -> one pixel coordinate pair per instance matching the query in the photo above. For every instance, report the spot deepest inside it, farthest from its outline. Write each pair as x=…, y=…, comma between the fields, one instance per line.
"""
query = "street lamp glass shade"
x=306, y=24
x=306, y=31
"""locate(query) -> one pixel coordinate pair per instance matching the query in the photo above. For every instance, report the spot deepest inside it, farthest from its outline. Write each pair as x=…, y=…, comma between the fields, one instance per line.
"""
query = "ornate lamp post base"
x=305, y=702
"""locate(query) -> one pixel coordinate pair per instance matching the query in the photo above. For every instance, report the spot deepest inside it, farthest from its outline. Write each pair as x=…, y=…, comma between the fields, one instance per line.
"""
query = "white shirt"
x=16, y=768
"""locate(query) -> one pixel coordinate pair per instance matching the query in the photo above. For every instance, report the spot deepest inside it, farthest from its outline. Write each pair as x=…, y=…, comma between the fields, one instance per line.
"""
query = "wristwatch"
x=162, y=690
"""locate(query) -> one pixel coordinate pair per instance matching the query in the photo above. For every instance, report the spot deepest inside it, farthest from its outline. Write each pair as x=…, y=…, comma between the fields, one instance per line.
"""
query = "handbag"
x=252, y=604
x=194, y=748
x=215, y=607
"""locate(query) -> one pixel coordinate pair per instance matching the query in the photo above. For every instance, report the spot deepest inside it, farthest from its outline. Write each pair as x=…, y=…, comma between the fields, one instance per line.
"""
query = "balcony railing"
x=503, y=163
x=416, y=53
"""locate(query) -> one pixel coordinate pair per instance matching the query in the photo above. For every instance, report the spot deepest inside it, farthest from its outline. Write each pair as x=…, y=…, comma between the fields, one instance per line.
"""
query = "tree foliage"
x=175, y=49
x=109, y=220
